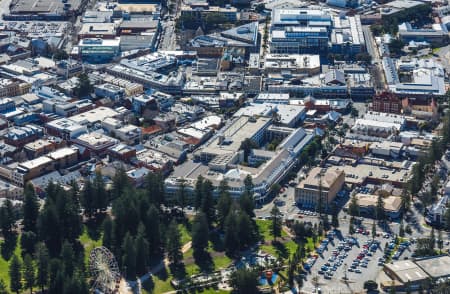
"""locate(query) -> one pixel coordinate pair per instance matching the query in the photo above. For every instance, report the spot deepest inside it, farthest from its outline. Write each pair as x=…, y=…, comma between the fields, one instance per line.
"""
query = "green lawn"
x=4, y=264
x=185, y=234
x=284, y=250
x=265, y=230
x=219, y=261
x=88, y=243
x=157, y=285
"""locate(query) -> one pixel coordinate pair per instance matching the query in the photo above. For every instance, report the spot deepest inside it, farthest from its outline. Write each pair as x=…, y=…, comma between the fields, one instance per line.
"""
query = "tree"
x=181, y=194
x=198, y=192
x=120, y=182
x=212, y=20
x=173, y=245
x=100, y=195
x=246, y=230
x=379, y=209
x=247, y=204
x=88, y=198
x=334, y=216
x=27, y=242
x=374, y=230
x=30, y=209
x=276, y=222
x=208, y=202
x=354, y=112
x=60, y=54
x=353, y=208
x=200, y=234
x=68, y=256
x=28, y=272
x=440, y=241
x=244, y=281
x=129, y=257
x=153, y=233
x=7, y=219
x=223, y=204
x=3, y=289
x=108, y=232
x=247, y=145
x=142, y=251
x=406, y=200
x=396, y=46
x=42, y=265
x=83, y=87
x=231, y=238
x=15, y=274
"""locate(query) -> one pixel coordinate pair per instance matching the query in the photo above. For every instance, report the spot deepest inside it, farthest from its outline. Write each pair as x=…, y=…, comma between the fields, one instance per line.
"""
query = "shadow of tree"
x=178, y=271
x=217, y=242
x=204, y=261
x=281, y=249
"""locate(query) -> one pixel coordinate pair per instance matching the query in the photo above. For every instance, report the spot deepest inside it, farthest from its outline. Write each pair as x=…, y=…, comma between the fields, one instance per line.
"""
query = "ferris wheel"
x=105, y=272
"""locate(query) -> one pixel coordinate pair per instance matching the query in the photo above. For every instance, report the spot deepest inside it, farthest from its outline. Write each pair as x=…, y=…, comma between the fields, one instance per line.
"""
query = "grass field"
x=89, y=243
x=265, y=230
x=4, y=264
x=185, y=234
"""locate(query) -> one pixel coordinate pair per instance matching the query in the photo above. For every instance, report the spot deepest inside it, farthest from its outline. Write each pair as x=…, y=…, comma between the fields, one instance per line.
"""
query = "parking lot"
x=346, y=262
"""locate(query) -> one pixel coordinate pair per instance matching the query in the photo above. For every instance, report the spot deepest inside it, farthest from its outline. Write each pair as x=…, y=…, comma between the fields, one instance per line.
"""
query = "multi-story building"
x=320, y=187
x=65, y=128
x=386, y=102
x=9, y=88
x=438, y=34
x=19, y=136
x=315, y=30
x=99, y=50
x=200, y=10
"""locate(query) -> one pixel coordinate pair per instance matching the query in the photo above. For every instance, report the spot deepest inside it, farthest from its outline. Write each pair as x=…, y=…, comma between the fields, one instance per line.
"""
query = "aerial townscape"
x=224, y=146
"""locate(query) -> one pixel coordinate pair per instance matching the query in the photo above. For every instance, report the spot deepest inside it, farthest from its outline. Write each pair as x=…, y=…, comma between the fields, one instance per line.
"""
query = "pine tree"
x=154, y=186
x=353, y=208
x=374, y=230
x=208, y=207
x=88, y=198
x=231, y=239
x=142, y=251
x=28, y=272
x=181, y=194
x=42, y=265
x=108, y=232
x=100, y=194
x=276, y=222
x=246, y=230
x=15, y=274
x=198, y=192
x=223, y=204
x=30, y=209
x=200, y=234
x=152, y=227
x=68, y=256
x=379, y=210
x=120, y=182
x=247, y=204
x=173, y=246
x=3, y=289
x=7, y=219
x=129, y=257
x=27, y=242
x=334, y=216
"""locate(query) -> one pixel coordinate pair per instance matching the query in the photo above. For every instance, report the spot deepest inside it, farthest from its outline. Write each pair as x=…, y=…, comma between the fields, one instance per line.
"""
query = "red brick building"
x=387, y=102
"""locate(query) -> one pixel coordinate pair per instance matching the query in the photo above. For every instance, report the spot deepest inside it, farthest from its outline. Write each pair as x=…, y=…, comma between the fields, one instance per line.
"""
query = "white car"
x=358, y=271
